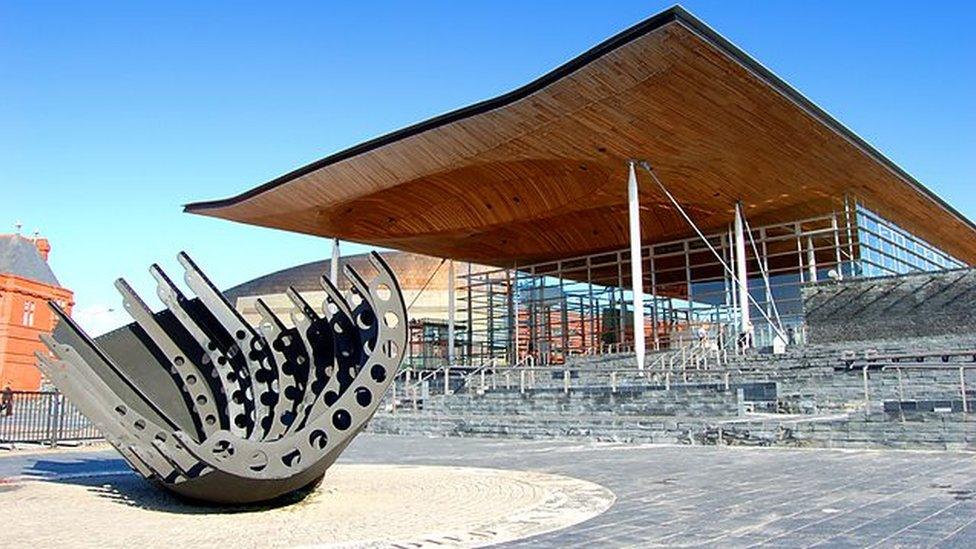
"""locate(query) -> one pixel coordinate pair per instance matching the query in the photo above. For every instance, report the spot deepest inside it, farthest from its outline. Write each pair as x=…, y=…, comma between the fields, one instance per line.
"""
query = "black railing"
x=43, y=417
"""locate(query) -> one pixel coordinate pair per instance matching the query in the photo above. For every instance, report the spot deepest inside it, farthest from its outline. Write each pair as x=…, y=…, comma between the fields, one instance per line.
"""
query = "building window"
x=28, y=319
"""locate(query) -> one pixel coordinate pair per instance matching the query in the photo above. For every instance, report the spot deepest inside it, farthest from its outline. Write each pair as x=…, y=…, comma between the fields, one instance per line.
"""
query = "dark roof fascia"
x=654, y=22
x=673, y=14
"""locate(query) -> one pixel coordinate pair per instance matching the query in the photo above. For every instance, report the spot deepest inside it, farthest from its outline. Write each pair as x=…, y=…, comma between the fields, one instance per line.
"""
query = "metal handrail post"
x=962, y=387
x=867, y=399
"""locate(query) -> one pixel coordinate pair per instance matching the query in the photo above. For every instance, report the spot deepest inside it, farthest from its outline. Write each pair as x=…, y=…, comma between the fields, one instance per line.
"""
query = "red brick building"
x=26, y=285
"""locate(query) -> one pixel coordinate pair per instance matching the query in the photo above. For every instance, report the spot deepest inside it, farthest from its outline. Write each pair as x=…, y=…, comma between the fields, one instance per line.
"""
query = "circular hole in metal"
x=240, y=420
x=318, y=439
x=391, y=349
x=391, y=319
x=201, y=400
x=378, y=373
x=191, y=379
x=210, y=420
x=383, y=291
x=179, y=361
x=341, y=420
x=363, y=396
x=222, y=449
x=258, y=461
x=139, y=424
x=292, y=458
x=365, y=319
x=240, y=334
x=330, y=398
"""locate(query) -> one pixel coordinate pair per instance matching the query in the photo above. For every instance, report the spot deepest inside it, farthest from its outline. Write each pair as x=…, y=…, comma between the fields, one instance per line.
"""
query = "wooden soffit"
x=540, y=173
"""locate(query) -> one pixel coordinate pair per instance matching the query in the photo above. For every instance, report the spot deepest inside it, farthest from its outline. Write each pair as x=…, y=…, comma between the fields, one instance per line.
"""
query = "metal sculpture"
x=217, y=410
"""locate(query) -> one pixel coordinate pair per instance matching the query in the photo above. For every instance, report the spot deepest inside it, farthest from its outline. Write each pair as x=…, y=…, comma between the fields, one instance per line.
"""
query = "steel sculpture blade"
x=201, y=402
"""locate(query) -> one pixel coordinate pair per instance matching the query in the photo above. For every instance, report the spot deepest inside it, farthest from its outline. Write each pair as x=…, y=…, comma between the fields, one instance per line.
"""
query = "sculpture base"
x=355, y=505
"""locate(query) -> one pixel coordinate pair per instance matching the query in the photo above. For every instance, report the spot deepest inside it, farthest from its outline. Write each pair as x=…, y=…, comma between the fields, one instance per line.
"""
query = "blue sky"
x=113, y=115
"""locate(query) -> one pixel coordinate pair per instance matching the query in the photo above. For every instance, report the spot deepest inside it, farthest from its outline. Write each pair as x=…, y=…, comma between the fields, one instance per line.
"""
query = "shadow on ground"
x=110, y=478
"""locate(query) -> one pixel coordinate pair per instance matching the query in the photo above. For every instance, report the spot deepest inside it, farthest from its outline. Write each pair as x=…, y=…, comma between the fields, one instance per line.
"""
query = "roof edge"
x=650, y=24
x=675, y=13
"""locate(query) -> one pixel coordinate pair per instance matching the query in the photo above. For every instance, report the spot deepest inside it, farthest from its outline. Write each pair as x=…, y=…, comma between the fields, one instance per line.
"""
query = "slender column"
x=512, y=319
x=837, y=258
x=470, y=328
x=733, y=287
x=850, y=237
x=450, y=312
x=741, y=271
x=811, y=259
x=636, y=266
x=334, y=266
x=655, y=315
x=516, y=302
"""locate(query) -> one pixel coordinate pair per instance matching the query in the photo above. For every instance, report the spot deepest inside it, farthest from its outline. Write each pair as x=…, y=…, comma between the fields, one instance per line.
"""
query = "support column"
x=636, y=266
x=450, y=312
x=741, y=272
x=334, y=265
x=811, y=259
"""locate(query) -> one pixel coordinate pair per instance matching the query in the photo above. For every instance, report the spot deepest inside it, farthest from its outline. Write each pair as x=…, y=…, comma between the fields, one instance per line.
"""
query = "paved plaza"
x=664, y=495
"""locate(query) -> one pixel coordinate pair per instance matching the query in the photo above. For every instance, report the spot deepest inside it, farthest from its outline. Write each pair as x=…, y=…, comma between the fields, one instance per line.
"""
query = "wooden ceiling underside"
x=544, y=176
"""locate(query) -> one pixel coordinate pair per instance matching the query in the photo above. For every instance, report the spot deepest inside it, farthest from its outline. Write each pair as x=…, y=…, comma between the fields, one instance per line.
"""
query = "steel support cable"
x=424, y=287
x=647, y=167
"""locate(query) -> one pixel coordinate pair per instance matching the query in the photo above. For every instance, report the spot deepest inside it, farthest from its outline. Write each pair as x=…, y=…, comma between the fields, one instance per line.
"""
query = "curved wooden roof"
x=540, y=172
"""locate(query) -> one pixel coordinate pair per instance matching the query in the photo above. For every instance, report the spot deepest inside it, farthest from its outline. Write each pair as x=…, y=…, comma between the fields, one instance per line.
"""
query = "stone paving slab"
x=687, y=496
x=356, y=506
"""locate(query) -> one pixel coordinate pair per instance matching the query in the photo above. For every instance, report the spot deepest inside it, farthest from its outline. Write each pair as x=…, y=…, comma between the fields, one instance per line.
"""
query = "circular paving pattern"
x=355, y=506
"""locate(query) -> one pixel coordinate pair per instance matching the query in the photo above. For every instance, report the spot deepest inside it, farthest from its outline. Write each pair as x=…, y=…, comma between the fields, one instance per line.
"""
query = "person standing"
x=7, y=400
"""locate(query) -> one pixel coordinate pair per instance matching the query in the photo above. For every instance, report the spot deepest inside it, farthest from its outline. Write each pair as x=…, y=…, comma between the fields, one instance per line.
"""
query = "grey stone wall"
x=915, y=305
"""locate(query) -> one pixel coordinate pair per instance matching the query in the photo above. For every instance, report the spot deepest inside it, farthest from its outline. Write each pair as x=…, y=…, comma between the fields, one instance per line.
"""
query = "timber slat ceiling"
x=540, y=173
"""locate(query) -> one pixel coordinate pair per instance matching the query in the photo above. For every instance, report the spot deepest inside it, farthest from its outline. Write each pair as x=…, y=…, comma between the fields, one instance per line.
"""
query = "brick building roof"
x=19, y=256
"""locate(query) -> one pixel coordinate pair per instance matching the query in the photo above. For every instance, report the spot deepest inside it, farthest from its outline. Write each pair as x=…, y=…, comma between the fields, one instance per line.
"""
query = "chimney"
x=43, y=247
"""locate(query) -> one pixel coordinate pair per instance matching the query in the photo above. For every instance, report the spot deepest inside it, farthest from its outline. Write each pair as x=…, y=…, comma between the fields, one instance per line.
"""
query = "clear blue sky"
x=113, y=115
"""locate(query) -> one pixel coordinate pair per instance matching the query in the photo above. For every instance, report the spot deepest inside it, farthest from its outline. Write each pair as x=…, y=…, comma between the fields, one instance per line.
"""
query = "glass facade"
x=583, y=305
x=886, y=249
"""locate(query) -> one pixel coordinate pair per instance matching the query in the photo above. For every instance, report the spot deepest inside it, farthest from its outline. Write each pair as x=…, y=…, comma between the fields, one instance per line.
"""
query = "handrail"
x=871, y=355
x=899, y=366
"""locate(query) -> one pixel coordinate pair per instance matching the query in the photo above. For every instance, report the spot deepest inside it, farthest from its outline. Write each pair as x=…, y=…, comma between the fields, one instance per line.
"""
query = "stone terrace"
x=807, y=397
